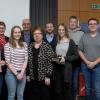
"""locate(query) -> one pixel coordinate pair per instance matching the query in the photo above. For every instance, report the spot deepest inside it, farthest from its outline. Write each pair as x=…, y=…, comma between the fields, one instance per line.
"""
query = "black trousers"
x=4, y=91
x=67, y=91
x=59, y=82
x=39, y=91
x=27, y=91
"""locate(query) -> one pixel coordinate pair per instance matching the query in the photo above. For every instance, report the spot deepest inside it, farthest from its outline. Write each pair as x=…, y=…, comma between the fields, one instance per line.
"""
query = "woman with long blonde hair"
x=16, y=56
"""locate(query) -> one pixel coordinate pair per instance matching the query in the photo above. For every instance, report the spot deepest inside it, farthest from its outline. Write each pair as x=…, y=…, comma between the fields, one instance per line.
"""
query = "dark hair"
x=95, y=19
x=73, y=17
x=49, y=23
x=66, y=30
x=37, y=28
x=3, y=24
x=12, y=42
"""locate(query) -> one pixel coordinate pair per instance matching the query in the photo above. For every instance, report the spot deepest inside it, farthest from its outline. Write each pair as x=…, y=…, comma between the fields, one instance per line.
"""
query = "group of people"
x=45, y=65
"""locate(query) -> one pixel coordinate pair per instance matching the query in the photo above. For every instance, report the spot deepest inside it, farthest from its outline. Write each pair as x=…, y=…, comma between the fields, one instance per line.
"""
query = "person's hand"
x=87, y=62
x=91, y=65
x=2, y=63
x=28, y=78
x=19, y=76
x=47, y=81
x=0, y=69
x=62, y=61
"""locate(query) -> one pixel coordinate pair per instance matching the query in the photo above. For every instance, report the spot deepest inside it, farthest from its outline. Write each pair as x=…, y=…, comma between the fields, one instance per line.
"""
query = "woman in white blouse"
x=16, y=56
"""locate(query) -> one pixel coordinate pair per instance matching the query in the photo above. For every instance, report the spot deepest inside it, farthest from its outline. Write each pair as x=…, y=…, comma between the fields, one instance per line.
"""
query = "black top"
x=35, y=62
x=2, y=56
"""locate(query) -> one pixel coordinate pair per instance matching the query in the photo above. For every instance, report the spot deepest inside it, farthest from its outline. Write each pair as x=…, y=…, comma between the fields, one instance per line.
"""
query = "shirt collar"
x=50, y=35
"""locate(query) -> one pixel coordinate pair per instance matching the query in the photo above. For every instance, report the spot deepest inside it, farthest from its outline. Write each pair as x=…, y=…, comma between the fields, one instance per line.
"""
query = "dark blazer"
x=44, y=61
x=31, y=37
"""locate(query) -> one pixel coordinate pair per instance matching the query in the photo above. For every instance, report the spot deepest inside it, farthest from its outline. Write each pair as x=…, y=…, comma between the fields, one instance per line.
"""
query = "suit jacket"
x=31, y=37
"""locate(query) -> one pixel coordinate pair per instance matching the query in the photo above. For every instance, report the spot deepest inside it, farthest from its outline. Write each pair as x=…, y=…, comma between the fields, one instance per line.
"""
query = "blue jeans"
x=75, y=79
x=92, y=77
x=15, y=85
x=1, y=81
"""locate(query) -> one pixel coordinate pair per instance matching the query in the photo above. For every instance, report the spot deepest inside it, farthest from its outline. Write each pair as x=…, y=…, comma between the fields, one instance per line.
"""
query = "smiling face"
x=93, y=26
x=16, y=37
x=16, y=34
x=61, y=31
x=37, y=35
x=26, y=25
x=73, y=23
x=49, y=28
x=2, y=28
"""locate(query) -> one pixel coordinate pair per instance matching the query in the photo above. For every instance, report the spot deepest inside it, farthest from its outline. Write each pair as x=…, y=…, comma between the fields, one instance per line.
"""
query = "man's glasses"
x=93, y=24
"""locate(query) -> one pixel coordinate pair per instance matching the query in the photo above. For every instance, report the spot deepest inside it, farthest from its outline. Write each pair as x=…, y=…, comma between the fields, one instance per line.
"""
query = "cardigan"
x=44, y=61
x=71, y=58
x=72, y=53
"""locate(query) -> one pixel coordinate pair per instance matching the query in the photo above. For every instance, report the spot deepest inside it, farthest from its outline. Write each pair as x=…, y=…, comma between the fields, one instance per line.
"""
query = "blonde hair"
x=11, y=40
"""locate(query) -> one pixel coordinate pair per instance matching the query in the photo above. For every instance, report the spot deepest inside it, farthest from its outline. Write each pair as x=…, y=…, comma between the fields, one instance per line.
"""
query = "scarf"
x=2, y=42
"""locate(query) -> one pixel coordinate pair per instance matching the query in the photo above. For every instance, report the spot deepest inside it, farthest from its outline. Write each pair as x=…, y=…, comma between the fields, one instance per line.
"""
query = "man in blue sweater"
x=50, y=36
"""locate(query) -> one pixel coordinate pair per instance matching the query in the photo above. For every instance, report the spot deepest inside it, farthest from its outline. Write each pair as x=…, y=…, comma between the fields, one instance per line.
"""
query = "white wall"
x=12, y=12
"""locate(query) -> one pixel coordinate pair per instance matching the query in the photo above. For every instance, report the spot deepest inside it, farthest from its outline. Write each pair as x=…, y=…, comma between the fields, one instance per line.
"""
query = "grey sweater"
x=75, y=35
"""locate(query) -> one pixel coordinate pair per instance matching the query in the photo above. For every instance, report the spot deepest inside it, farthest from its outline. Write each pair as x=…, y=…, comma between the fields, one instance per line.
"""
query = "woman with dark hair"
x=3, y=40
x=67, y=53
x=16, y=56
x=40, y=66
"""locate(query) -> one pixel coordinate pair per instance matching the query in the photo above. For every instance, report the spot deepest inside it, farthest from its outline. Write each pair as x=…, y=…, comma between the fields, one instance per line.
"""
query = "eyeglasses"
x=26, y=23
x=37, y=33
x=93, y=24
x=2, y=28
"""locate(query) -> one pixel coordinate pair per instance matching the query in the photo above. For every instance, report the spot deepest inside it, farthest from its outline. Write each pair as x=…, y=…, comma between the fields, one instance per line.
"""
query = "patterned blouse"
x=44, y=61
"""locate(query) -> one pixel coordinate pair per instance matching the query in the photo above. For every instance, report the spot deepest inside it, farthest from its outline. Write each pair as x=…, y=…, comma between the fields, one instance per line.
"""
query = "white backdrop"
x=12, y=12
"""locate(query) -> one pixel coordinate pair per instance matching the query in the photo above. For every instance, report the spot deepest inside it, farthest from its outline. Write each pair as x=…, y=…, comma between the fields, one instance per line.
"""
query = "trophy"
x=56, y=58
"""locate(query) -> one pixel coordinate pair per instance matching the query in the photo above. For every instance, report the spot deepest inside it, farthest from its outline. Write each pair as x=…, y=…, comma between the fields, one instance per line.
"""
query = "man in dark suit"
x=28, y=38
x=26, y=33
